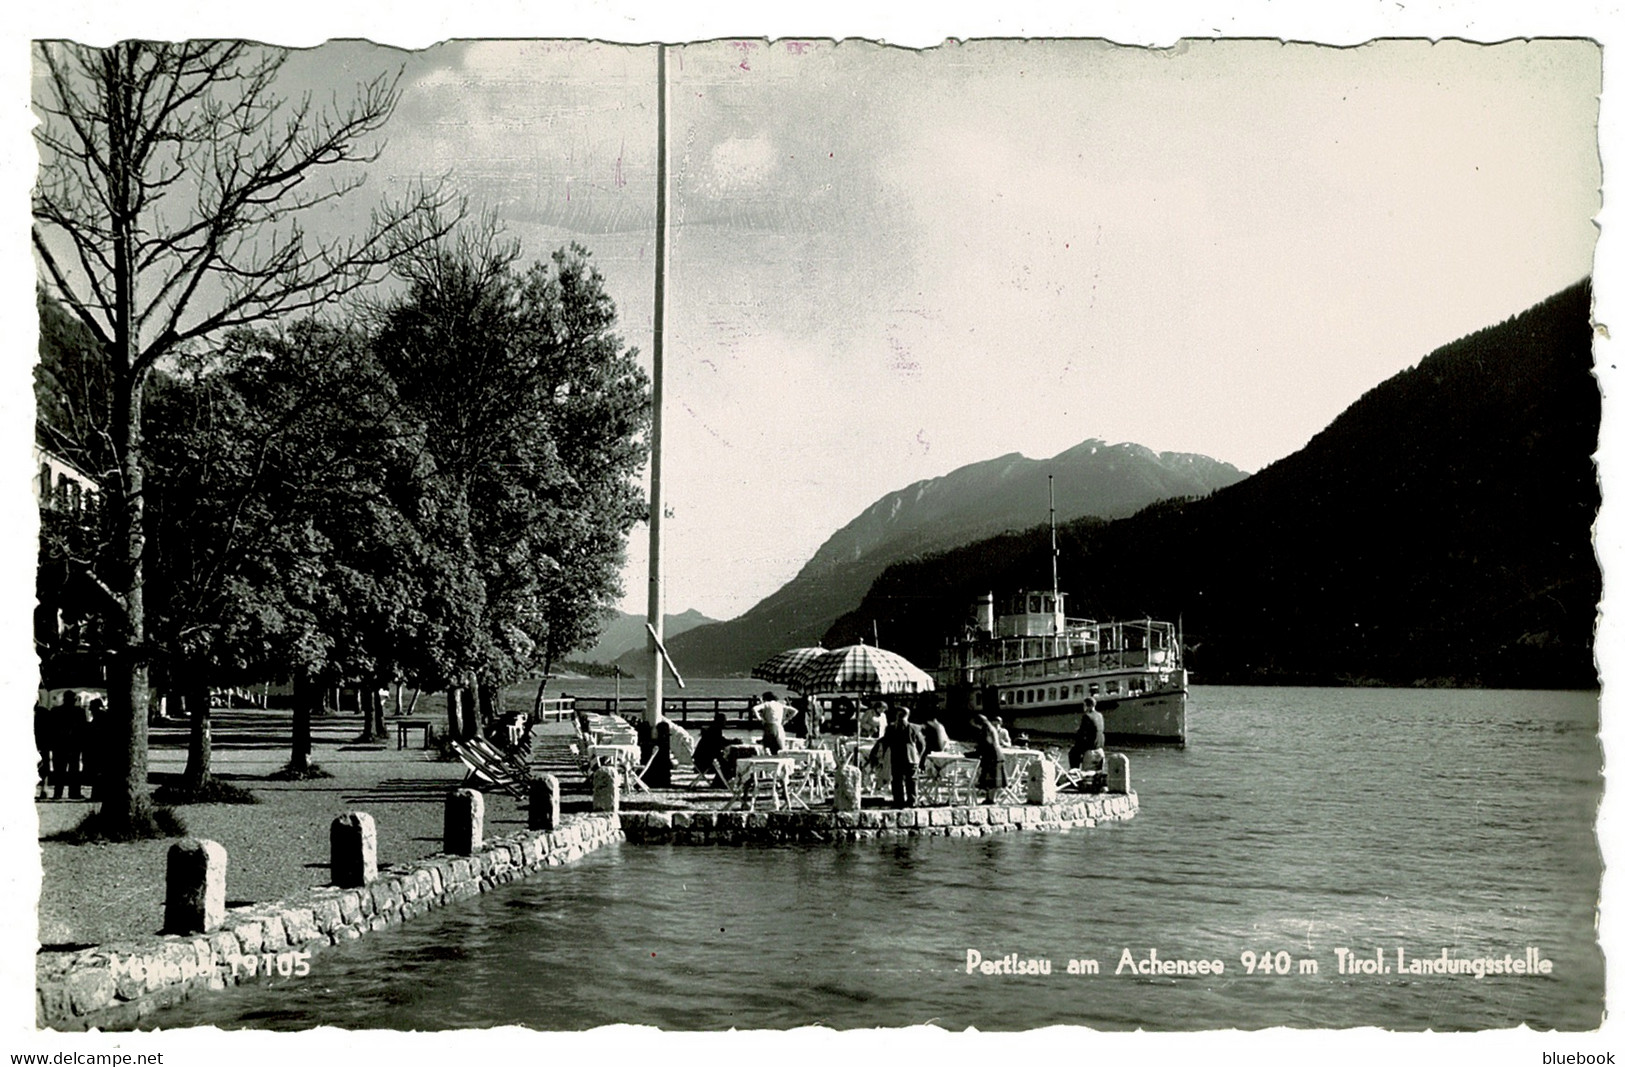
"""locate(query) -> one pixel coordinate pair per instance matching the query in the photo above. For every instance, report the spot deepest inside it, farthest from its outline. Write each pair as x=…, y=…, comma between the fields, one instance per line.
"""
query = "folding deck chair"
x=481, y=768
x=513, y=762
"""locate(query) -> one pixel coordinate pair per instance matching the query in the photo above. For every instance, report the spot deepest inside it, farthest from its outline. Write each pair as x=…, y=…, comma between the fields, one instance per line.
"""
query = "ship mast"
x=1054, y=551
x=655, y=691
x=1055, y=567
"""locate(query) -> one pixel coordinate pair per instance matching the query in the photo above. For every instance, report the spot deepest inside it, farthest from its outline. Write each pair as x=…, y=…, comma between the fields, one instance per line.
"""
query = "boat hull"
x=1151, y=709
x=1151, y=718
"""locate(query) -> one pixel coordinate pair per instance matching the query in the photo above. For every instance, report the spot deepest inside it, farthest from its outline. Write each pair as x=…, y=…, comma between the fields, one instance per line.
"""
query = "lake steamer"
x=1031, y=664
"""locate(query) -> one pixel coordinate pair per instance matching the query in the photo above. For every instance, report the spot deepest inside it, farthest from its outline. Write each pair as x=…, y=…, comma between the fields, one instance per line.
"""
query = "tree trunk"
x=410, y=708
x=379, y=698
x=454, y=720
x=400, y=688
x=365, y=698
x=471, y=709
x=127, y=807
x=307, y=696
x=200, y=741
x=490, y=703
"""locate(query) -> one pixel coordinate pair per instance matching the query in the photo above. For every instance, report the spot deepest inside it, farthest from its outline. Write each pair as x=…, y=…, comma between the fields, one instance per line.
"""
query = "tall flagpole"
x=657, y=599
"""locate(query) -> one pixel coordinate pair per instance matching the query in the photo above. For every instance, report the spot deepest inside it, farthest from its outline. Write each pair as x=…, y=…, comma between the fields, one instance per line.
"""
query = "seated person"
x=658, y=774
x=712, y=745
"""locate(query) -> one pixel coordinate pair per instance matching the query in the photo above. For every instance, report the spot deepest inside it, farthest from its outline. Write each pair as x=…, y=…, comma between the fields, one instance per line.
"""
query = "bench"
x=404, y=728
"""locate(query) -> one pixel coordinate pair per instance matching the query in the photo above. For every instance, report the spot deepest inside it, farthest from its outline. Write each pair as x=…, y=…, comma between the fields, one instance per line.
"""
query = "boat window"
x=1052, y=692
x=1032, y=605
x=1094, y=689
x=1063, y=692
x=1111, y=687
x=1021, y=696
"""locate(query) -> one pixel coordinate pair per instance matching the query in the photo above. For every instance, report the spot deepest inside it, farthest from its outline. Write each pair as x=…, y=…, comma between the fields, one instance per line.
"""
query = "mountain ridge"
x=933, y=514
x=1437, y=531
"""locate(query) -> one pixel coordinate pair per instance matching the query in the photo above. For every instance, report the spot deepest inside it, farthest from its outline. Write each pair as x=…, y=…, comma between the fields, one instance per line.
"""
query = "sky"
x=886, y=263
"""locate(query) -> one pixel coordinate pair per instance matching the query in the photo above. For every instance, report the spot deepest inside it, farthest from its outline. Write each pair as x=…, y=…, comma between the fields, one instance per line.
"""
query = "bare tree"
x=173, y=188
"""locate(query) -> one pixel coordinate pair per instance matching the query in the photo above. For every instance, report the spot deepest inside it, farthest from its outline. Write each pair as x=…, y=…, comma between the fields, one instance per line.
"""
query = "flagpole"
x=655, y=691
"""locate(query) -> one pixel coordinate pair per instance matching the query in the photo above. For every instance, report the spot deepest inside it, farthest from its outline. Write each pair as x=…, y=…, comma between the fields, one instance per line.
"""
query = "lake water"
x=1298, y=821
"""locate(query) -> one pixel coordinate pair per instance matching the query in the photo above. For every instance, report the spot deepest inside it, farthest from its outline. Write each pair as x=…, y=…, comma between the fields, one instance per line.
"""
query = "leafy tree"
x=278, y=543
x=535, y=417
x=173, y=181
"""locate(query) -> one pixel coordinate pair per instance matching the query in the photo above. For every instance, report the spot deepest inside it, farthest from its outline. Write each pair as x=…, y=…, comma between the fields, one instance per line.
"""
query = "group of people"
x=65, y=739
x=900, y=745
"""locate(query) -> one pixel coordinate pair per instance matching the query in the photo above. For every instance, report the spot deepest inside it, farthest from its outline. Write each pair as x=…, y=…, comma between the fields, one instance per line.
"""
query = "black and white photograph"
x=578, y=522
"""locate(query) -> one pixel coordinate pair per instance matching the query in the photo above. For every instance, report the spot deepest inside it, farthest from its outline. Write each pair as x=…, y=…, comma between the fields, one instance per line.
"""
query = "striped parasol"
x=862, y=669
x=781, y=668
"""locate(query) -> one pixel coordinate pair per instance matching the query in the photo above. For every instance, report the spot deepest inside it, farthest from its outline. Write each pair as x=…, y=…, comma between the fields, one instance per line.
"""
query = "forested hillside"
x=1437, y=532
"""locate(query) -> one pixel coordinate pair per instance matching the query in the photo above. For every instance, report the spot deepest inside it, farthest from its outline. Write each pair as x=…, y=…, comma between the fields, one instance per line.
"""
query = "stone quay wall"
x=114, y=985
x=782, y=827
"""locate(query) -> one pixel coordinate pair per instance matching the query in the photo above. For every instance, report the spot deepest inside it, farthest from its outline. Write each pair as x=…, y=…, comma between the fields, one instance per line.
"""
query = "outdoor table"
x=814, y=773
x=944, y=774
x=404, y=727
x=750, y=773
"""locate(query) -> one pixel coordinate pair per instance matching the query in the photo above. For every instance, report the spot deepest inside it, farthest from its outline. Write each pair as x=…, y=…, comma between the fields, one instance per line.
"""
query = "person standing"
x=93, y=745
x=68, y=725
x=1088, y=750
x=42, y=746
x=905, y=744
x=936, y=735
x=771, y=712
x=873, y=722
x=990, y=754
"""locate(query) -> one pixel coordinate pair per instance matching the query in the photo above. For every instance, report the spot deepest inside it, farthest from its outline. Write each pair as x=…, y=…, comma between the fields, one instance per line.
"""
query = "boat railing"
x=677, y=709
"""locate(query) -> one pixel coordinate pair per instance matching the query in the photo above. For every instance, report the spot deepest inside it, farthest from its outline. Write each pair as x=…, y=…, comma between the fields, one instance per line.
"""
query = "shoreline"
x=102, y=966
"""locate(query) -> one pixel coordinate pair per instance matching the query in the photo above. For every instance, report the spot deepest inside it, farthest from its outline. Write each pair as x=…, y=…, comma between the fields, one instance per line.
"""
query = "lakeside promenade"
x=95, y=893
x=103, y=962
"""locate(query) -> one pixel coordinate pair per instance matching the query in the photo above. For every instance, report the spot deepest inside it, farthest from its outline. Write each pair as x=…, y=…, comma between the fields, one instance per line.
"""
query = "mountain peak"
x=1093, y=479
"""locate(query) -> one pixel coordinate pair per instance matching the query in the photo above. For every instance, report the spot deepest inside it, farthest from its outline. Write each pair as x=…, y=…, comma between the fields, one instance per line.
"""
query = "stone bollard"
x=544, y=803
x=465, y=822
x=353, y=850
x=195, y=887
x=606, y=791
x=848, y=789
x=1041, y=782
x=1117, y=773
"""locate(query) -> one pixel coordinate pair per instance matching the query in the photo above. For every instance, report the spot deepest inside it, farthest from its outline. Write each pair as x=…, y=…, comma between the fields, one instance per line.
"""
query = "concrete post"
x=195, y=887
x=1041, y=782
x=544, y=803
x=606, y=791
x=353, y=850
x=465, y=822
x=1117, y=773
x=848, y=788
